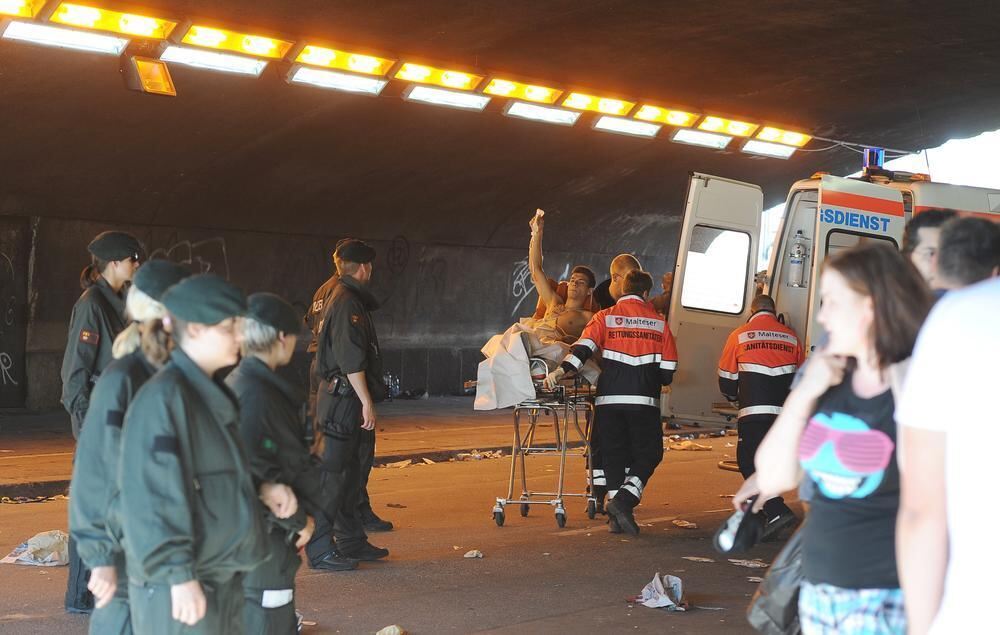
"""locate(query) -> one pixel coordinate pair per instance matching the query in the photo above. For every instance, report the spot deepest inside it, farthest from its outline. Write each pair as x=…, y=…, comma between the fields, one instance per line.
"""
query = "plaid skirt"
x=829, y=610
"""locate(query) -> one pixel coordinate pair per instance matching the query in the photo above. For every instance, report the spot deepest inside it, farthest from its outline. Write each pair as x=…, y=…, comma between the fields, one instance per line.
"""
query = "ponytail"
x=127, y=341
x=92, y=273
x=156, y=342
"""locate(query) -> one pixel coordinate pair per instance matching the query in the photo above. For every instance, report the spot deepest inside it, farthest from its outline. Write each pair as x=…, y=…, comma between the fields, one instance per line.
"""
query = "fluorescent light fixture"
x=534, y=112
x=767, y=149
x=703, y=139
x=353, y=62
x=727, y=126
x=438, y=76
x=517, y=90
x=679, y=118
x=213, y=61
x=441, y=97
x=245, y=43
x=78, y=15
x=787, y=137
x=64, y=38
x=336, y=81
x=603, y=105
x=21, y=8
x=627, y=127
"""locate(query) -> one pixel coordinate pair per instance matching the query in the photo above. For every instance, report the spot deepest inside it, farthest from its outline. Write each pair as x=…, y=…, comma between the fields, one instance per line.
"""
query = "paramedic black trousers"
x=629, y=436
x=752, y=434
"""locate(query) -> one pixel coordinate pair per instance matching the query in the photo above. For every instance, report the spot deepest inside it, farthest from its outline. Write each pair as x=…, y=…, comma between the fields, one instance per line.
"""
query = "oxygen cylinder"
x=797, y=261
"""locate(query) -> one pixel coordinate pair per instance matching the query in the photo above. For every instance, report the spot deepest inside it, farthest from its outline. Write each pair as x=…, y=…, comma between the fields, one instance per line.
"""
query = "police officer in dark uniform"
x=192, y=525
x=97, y=318
x=272, y=425
x=314, y=320
x=140, y=350
x=349, y=366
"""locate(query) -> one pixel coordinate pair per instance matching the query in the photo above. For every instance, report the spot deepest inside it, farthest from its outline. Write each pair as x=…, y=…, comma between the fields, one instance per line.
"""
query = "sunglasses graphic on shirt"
x=863, y=451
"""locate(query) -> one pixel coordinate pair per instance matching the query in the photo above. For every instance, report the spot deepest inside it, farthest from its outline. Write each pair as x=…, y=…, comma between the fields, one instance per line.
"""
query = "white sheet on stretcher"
x=504, y=377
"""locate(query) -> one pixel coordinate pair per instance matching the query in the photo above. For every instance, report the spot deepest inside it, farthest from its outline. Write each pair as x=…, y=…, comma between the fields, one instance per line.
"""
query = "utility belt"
x=338, y=408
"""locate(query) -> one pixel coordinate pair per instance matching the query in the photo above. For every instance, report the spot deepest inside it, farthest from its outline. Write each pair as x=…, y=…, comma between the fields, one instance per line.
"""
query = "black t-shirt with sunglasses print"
x=848, y=452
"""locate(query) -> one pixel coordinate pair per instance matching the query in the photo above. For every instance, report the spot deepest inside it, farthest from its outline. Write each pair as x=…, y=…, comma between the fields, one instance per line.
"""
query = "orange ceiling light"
x=669, y=116
x=87, y=17
x=245, y=43
x=517, y=90
x=732, y=127
x=786, y=137
x=603, y=105
x=344, y=60
x=422, y=74
x=21, y=8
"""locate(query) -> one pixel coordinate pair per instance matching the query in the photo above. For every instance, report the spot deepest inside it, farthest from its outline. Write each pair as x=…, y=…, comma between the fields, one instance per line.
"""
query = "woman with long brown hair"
x=837, y=431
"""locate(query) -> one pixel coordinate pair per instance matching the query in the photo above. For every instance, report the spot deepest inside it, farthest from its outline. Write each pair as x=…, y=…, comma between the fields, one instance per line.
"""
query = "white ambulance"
x=716, y=269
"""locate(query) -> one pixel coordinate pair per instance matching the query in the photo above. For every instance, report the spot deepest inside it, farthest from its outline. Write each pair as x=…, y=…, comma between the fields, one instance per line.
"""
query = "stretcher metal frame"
x=565, y=404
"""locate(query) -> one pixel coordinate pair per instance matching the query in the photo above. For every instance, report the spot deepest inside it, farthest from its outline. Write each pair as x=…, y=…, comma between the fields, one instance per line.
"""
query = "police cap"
x=112, y=246
x=354, y=250
x=156, y=276
x=205, y=299
x=272, y=310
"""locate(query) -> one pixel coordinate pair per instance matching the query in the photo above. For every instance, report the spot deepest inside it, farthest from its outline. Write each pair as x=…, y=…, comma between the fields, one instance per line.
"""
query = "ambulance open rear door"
x=713, y=286
x=850, y=212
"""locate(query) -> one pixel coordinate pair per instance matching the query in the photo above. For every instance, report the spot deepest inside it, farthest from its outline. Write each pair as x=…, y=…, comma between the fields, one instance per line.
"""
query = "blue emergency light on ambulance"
x=854, y=220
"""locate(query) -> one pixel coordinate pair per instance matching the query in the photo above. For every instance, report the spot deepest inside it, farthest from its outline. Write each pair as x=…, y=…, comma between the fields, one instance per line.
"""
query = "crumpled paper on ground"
x=749, y=564
x=664, y=592
x=395, y=629
x=47, y=549
x=475, y=553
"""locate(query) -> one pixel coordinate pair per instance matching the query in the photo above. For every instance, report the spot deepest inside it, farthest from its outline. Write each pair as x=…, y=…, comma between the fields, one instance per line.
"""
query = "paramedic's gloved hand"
x=552, y=379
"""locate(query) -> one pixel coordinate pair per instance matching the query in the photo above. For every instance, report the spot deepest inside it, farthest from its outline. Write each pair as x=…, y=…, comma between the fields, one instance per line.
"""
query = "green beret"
x=354, y=250
x=272, y=310
x=156, y=276
x=111, y=246
x=204, y=299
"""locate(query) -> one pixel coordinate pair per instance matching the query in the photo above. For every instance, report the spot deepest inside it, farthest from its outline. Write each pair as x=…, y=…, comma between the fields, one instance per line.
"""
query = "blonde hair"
x=146, y=330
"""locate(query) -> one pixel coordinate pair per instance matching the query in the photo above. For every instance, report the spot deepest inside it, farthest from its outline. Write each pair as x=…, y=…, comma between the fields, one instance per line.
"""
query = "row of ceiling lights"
x=89, y=28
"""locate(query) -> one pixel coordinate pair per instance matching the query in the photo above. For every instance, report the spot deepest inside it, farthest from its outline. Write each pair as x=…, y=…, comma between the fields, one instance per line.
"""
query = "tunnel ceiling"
x=235, y=152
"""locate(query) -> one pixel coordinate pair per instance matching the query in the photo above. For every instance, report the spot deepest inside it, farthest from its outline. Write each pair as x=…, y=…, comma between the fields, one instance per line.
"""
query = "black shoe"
x=624, y=517
x=373, y=523
x=613, y=526
x=776, y=524
x=367, y=553
x=334, y=561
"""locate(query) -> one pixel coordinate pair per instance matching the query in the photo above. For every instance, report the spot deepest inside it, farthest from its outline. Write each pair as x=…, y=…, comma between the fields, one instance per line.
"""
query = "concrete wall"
x=440, y=303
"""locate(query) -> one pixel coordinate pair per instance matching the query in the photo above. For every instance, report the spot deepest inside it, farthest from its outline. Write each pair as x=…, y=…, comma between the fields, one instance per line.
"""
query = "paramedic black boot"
x=620, y=509
x=613, y=526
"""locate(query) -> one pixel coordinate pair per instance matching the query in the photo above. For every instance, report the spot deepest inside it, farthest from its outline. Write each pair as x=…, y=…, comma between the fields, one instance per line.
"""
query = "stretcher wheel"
x=591, y=509
x=498, y=518
x=561, y=519
x=524, y=510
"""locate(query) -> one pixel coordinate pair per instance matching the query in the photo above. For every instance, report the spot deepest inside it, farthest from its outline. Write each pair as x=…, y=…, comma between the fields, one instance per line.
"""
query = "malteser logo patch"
x=751, y=335
x=624, y=321
x=89, y=337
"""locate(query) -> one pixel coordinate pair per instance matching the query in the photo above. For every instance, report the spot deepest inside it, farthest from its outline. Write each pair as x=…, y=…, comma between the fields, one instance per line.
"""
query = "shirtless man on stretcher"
x=564, y=319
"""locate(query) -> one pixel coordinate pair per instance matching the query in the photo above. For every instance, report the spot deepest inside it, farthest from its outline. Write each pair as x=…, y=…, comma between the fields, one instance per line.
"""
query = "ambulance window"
x=837, y=240
x=716, y=270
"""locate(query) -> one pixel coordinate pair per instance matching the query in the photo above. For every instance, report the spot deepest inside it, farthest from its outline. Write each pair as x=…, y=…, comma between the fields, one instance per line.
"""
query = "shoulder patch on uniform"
x=165, y=444
x=355, y=319
x=89, y=337
x=268, y=445
x=116, y=418
x=317, y=306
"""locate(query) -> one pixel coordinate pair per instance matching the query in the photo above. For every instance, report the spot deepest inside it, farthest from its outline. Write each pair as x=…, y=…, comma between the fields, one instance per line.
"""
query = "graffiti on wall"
x=203, y=256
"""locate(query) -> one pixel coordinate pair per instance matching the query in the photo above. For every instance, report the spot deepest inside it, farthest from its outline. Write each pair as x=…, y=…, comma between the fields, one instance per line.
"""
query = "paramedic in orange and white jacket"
x=638, y=358
x=756, y=369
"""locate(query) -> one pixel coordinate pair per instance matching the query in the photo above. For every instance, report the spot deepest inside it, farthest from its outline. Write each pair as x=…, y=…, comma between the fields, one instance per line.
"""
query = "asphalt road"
x=535, y=577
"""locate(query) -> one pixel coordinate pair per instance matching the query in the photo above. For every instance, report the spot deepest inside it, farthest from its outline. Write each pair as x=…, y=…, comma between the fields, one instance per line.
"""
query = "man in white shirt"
x=946, y=533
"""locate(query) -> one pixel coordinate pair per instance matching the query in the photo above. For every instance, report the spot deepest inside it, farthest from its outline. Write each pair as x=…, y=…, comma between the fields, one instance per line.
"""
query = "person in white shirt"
x=946, y=528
